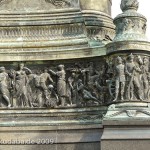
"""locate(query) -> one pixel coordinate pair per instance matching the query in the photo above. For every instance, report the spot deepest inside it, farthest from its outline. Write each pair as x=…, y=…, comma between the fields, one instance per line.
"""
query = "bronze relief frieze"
x=52, y=86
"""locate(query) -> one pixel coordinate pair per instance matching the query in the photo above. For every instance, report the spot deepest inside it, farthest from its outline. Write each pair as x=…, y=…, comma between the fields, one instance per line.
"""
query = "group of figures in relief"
x=57, y=87
x=130, y=78
x=123, y=78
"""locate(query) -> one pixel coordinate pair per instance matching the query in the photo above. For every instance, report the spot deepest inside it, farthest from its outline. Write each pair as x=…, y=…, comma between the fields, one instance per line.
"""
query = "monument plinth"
x=67, y=81
x=128, y=59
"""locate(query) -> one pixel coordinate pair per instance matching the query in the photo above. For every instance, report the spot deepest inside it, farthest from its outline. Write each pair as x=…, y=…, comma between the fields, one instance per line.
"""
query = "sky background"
x=144, y=9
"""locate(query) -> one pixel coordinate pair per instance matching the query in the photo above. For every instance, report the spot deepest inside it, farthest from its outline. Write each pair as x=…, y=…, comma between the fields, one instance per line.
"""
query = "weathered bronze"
x=70, y=85
x=67, y=81
x=128, y=61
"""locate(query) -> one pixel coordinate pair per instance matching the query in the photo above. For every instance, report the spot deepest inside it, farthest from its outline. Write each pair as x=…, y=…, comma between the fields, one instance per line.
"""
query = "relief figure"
x=119, y=74
x=133, y=84
x=85, y=95
x=145, y=77
x=4, y=91
x=61, y=83
x=21, y=86
x=44, y=77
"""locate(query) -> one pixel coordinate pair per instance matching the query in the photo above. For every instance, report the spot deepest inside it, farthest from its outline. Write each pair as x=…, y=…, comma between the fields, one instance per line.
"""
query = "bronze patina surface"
x=70, y=78
x=53, y=89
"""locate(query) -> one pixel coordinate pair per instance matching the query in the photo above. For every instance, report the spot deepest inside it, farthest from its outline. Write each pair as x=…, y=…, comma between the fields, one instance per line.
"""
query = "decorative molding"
x=100, y=33
x=34, y=33
x=128, y=45
x=132, y=112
